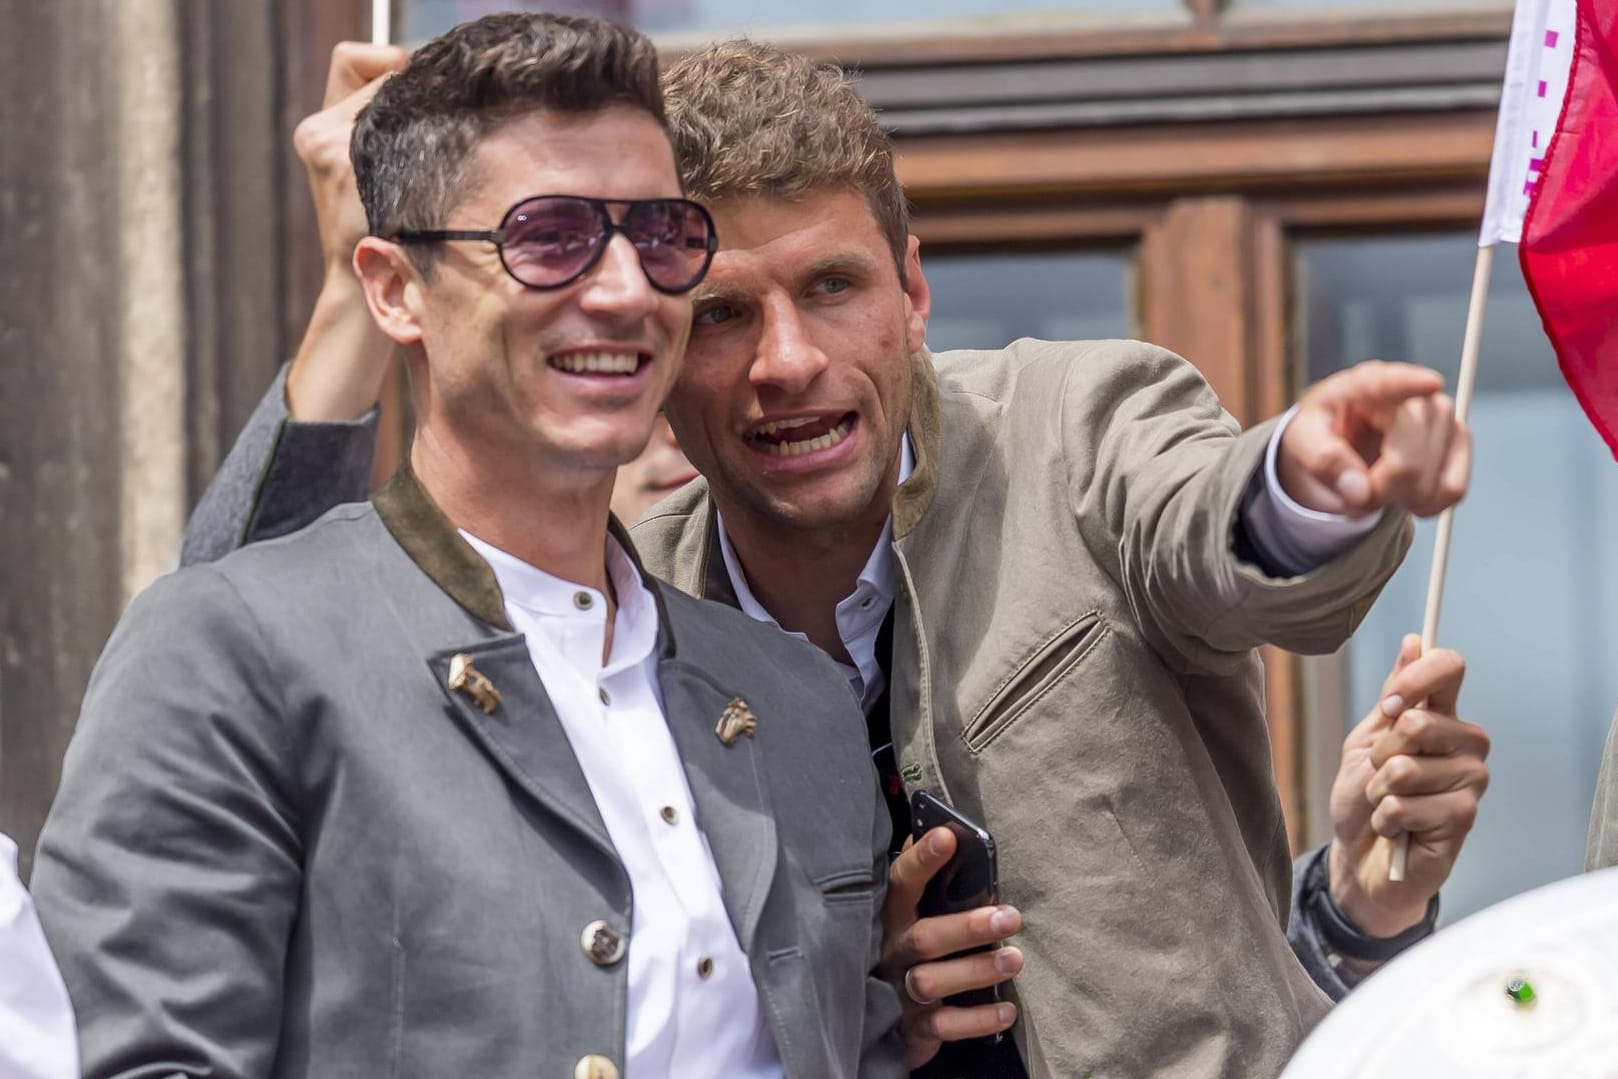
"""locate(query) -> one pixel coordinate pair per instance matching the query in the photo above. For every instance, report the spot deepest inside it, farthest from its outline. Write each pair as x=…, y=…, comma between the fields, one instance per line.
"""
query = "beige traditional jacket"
x=1074, y=666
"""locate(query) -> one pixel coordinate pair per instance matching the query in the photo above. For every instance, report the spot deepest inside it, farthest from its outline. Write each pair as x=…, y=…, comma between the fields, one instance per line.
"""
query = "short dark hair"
x=411, y=143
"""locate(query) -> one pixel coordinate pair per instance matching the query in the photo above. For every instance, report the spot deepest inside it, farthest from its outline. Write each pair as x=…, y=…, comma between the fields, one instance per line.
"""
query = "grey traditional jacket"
x=1603, y=848
x=1073, y=663
x=284, y=846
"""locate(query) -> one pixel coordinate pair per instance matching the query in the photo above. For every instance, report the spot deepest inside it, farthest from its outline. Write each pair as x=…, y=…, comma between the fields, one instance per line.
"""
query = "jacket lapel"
x=728, y=788
x=520, y=732
x=523, y=735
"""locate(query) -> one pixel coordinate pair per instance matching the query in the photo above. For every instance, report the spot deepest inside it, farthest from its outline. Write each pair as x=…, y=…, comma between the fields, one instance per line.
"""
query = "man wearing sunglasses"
x=445, y=784
x=1076, y=553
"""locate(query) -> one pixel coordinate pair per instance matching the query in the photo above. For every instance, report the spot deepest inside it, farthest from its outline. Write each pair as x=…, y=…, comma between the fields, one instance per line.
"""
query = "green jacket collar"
x=438, y=549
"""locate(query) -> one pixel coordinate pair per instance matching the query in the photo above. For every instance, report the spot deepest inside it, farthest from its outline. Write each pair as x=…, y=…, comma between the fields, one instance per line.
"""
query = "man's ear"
x=918, y=296
x=392, y=288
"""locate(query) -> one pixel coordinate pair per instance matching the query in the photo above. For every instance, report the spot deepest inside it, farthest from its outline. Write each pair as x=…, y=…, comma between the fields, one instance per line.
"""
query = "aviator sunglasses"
x=548, y=241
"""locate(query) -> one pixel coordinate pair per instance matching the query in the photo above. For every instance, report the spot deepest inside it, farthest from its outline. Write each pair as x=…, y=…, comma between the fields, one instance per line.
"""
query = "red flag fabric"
x=1569, y=248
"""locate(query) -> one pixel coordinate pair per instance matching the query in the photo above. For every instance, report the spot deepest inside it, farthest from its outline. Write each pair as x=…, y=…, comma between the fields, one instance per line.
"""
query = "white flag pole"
x=381, y=22
x=1446, y=521
x=1537, y=68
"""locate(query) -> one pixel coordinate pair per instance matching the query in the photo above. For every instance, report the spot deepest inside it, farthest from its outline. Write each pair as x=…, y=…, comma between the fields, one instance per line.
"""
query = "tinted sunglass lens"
x=672, y=238
x=550, y=240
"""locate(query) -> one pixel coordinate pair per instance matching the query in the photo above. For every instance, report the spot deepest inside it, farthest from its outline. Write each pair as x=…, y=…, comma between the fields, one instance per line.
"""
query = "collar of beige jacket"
x=438, y=550
x=926, y=438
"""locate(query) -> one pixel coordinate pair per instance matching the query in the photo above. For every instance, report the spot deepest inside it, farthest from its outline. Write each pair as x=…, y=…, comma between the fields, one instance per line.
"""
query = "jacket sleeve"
x=1603, y=848
x=280, y=475
x=1157, y=472
x=168, y=873
x=882, y=1054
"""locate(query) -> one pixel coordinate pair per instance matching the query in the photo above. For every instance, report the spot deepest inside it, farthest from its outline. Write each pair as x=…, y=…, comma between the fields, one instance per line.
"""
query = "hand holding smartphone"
x=970, y=879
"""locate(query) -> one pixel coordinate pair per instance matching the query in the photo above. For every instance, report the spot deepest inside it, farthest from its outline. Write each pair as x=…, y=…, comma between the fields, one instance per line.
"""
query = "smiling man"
x=1044, y=571
x=445, y=784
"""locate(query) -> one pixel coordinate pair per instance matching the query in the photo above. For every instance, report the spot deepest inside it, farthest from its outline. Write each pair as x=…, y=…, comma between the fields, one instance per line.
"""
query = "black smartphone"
x=970, y=879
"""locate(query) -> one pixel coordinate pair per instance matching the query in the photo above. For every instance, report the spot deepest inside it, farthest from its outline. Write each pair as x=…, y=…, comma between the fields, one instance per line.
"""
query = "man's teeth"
x=812, y=445
x=597, y=363
x=784, y=425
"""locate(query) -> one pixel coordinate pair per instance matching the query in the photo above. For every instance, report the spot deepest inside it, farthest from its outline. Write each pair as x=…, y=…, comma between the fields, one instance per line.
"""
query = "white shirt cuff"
x=1291, y=536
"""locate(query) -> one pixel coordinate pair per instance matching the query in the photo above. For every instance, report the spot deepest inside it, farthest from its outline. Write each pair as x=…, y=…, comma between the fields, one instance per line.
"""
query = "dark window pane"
x=987, y=300
x=1532, y=593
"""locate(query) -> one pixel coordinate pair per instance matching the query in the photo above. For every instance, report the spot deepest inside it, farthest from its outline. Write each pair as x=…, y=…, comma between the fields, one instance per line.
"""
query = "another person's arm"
x=309, y=445
x=1411, y=766
x=37, y=1040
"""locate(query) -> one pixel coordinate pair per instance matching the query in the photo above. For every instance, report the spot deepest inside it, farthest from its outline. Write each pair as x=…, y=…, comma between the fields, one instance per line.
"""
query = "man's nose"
x=617, y=284
x=788, y=357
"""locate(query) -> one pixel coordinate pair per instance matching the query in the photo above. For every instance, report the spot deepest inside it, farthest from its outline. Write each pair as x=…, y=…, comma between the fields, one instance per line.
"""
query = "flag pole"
x=1470, y=342
x=381, y=22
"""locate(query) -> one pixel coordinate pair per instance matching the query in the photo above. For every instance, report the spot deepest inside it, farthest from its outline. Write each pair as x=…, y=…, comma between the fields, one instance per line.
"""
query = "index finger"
x=355, y=64
x=1383, y=384
x=1435, y=678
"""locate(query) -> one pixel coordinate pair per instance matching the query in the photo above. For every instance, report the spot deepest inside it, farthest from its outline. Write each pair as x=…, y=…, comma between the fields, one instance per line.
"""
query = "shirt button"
x=670, y=815
x=583, y=600
x=595, y=1066
x=704, y=967
x=606, y=698
x=865, y=604
x=602, y=943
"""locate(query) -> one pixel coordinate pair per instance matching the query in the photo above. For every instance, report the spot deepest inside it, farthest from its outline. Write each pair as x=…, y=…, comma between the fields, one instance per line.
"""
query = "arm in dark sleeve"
x=1311, y=938
x=168, y=875
x=280, y=475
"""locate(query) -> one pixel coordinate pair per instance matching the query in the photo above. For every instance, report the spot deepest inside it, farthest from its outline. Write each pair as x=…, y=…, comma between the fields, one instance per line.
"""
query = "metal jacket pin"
x=736, y=720
x=467, y=679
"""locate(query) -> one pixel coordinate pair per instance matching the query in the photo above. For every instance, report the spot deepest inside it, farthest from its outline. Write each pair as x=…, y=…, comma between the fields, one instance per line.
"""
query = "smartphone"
x=970, y=879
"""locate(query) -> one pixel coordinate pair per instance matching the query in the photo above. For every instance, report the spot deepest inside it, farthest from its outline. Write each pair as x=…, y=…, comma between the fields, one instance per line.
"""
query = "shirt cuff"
x=1289, y=536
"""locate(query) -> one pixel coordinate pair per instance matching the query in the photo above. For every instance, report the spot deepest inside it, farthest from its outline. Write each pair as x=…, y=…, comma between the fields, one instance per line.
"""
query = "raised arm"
x=311, y=442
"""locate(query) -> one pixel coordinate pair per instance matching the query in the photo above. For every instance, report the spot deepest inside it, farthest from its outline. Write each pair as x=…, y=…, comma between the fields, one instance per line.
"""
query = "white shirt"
x=1297, y=539
x=37, y=1039
x=680, y=1023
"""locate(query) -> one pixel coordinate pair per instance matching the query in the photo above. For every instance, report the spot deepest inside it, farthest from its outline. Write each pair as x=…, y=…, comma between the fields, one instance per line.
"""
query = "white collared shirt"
x=1294, y=537
x=681, y=1022
x=859, y=614
x=37, y=1039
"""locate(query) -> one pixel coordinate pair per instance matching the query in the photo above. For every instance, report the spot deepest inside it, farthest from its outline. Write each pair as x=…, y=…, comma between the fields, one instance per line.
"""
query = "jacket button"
x=704, y=967
x=583, y=600
x=604, y=945
x=595, y=1066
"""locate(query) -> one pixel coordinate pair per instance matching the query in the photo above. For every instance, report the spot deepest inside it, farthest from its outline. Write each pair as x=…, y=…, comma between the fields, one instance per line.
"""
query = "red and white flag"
x=1554, y=188
x=1537, y=68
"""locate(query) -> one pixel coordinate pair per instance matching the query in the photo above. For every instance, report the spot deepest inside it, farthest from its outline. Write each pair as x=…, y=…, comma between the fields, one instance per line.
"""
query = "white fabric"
x=1442, y=1008
x=1290, y=535
x=1537, y=69
x=37, y=1038
x=859, y=614
x=680, y=1024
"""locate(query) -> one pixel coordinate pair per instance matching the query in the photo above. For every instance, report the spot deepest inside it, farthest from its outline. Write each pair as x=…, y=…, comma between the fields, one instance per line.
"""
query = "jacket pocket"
x=1049, y=662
